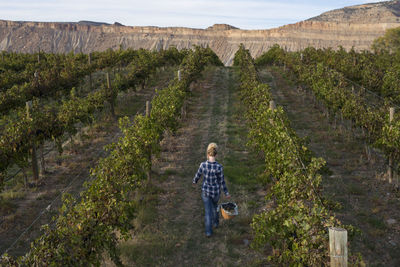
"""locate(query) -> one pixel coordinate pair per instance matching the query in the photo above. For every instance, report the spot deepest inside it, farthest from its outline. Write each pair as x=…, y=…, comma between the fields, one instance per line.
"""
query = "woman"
x=213, y=181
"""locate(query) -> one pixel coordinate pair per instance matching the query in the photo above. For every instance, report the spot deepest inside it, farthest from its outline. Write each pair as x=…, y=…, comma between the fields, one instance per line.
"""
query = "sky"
x=250, y=14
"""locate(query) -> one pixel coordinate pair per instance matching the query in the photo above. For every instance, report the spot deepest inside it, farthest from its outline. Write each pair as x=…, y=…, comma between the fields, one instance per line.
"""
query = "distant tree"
x=274, y=54
x=390, y=42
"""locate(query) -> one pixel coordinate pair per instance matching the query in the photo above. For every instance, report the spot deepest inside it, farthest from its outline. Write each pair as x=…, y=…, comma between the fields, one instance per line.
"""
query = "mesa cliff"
x=355, y=26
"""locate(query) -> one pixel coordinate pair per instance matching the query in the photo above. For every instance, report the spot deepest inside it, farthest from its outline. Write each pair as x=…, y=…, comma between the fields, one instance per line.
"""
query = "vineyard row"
x=334, y=90
x=296, y=222
x=85, y=230
x=22, y=132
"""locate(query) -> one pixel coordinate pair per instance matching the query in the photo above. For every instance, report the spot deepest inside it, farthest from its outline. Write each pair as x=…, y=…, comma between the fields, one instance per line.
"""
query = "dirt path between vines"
x=367, y=202
x=33, y=207
x=170, y=229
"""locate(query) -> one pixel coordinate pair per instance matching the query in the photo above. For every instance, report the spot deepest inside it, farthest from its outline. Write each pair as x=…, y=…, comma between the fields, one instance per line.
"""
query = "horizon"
x=198, y=14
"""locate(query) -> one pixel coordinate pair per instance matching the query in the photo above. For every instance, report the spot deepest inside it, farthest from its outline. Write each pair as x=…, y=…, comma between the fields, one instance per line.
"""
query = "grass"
x=146, y=216
x=217, y=109
x=243, y=170
x=12, y=195
x=17, y=183
x=376, y=222
x=242, y=167
x=7, y=206
x=146, y=200
x=130, y=104
x=266, y=77
x=141, y=253
x=170, y=172
x=133, y=101
x=48, y=195
x=355, y=189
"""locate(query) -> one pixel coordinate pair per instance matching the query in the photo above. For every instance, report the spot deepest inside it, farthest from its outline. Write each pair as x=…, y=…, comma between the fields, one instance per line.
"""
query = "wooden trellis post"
x=390, y=169
x=147, y=108
x=108, y=80
x=183, y=110
x=272, y=106
x=110, y=91
x=90, y=73
x=35, y=168
x=149, y=148
x=338, y=247
x=42, y=160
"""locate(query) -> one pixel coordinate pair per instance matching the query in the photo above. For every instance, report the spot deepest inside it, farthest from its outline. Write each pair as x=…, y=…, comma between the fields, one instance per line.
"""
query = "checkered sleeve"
x=198, y=174
x=223, y=185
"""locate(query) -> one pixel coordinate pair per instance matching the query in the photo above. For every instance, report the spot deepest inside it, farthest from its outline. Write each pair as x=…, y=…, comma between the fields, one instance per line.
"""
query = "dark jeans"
x=211, y=212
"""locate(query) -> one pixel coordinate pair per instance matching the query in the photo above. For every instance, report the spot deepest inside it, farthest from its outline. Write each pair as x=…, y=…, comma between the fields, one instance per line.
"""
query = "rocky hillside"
x=383, y=12
x=355, y=26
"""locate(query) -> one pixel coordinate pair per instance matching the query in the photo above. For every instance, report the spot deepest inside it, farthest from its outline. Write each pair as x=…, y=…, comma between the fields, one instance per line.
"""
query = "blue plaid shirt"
x=213, y=178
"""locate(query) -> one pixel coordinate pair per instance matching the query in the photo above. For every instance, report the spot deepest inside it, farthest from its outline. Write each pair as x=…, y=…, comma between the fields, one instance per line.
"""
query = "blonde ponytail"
x=212, y=150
